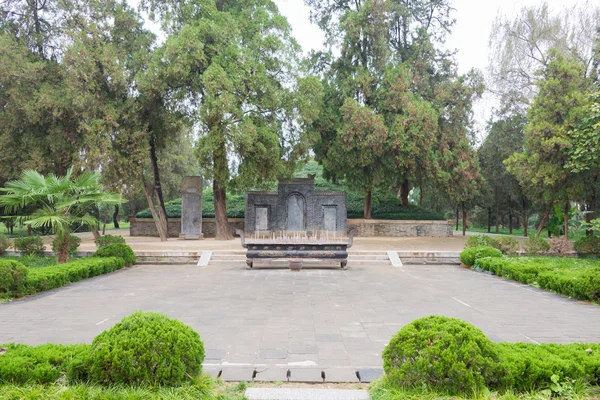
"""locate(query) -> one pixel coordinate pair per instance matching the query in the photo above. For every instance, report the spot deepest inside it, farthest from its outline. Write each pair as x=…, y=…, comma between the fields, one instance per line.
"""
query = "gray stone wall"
x=146, y=226
x=365, y=228
x=295, y=207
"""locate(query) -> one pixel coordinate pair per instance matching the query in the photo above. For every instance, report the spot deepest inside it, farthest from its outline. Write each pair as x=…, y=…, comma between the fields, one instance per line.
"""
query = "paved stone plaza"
x=318, y=317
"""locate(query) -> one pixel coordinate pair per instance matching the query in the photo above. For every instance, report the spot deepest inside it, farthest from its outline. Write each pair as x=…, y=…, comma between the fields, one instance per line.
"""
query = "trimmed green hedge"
x=117, y=250
x=571, y=277
x=46, y=278
x=13, y=278
x=587, y=246
x=109, y=239
x=470, y=256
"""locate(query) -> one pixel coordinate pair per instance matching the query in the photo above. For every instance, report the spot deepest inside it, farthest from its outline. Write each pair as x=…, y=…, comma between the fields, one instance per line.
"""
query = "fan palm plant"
x=56, y=202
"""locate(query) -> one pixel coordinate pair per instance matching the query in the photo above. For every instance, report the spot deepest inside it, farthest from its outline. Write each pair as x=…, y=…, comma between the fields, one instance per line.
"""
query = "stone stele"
x=191, y=208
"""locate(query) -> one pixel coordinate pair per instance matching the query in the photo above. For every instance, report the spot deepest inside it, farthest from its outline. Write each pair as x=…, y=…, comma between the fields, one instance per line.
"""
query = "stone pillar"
x=191, y=208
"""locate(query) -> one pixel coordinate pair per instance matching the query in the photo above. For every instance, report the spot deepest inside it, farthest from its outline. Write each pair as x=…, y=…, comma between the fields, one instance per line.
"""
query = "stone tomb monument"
x=296, y=207
x=191, y=208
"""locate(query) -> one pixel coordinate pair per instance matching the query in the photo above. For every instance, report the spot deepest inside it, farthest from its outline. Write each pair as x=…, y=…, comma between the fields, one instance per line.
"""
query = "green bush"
x=582, y=284
x=13, y=278
x=470, y=256
x=445, y=353
x=146, y=348
x=42, y=364
x=535, y=245
x=479, y=241
x=117, y=250
x=4, y=244
x=109, y=239
x=588, y=246
x=30, y=245
x=507, y=245
x=46, y=278
x=74, y=242
x=531, y=366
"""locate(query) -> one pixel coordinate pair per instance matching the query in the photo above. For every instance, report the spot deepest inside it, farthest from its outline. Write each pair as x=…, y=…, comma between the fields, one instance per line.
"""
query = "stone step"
x=305, y=394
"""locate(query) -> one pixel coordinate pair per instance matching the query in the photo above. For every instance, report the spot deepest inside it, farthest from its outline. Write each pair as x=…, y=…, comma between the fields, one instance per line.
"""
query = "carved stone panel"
x=191, y=208
x=262, y=218
x=295, y=213
x=330, y=218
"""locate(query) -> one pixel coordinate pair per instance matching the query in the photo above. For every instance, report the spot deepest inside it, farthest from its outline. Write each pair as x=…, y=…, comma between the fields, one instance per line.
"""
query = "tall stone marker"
x=191, y=208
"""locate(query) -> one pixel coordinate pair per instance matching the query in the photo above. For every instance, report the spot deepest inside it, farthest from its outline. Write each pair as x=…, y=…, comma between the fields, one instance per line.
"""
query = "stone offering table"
x=296, y=247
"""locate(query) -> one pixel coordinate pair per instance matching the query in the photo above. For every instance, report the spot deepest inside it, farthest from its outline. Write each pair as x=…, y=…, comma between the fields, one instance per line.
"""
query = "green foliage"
x=470, y=256
x=73, y=244
x=507, y=245
x=117, y=250
x=146, y=348
x=30, y=245
x=587, y=246
x=480, y=240
x=4, y=244
x=44, y=364
x=443, y=353
x=109, y=239
x=46, y=278
x=13, y=278
x=571, y=277
x=533, y=367
x=535, y=245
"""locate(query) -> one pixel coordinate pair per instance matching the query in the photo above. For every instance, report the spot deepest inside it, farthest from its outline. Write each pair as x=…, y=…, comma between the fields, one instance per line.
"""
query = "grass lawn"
x=32, y=261
x=573, y=234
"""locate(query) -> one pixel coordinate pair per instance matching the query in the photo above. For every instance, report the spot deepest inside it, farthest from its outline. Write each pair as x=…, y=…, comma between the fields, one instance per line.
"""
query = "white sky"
x=470, y=35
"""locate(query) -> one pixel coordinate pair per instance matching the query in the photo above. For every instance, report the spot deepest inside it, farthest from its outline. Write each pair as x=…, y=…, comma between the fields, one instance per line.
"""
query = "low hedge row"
x=453, y=356
x=145, y=348
x=575, y=278
x=470, y=255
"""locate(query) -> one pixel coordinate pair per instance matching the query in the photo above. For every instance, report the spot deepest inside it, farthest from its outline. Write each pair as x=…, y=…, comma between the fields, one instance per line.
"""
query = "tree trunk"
x=156, y=175
x=420, y=195
x=510, y=219
x=464, y=219
x=95, y=232
x=220, y=195
x=116, y=217
x=524, y=215
x=497, y=213
x=367, y=205
x=457, y=213
x=543, y=221
x=63, y=247
x=29, y=230
x=567, y=219
x=404, y=191
x=592, y=206
x=162, y=232
x=489, y=219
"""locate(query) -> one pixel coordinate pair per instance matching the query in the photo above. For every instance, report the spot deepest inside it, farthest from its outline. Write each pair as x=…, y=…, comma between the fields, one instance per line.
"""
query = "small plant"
x=507, y=245
x=470, y=256
x=109, y=239
x=146, y=348
x=444, y=353
x=535, y=245
x=480, y=240
x=588, y=246
x=30, y=245
x=560, y=245
x=60, y=246
x=4, y=244
x=117, y=250
x=13, y=278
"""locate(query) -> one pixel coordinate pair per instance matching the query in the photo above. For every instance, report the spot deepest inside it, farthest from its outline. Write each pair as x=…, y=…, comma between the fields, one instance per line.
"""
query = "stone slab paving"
x=312, y=319
x=305, y=394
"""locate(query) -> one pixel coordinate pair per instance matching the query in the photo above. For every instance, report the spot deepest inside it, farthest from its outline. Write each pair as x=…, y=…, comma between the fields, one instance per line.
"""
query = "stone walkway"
x=318, y=318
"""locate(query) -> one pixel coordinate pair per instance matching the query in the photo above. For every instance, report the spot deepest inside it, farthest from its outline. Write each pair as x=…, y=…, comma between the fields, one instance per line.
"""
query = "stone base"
x=188, y=236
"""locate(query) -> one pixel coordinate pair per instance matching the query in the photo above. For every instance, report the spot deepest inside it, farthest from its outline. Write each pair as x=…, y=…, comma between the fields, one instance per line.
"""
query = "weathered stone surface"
x=237, y=374
x=305, y=394
x=146, y=227
x=340, y=375
x=330, y=218
x=271, y=375
x=369, y=375
x=262, y=219
x=191, y=208
x=296, y=215
x=306, y=375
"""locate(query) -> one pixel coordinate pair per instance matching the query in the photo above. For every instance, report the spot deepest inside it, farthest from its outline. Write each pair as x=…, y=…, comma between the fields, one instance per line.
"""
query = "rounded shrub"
x=13, y=278
x=470, y=256
x=30, y=245
x=146, y=348
x=109, y=239
x=73, y=244
x=447, y=354
x=535, y=245
x=507, y=244
x=587, y=246
x=117, y=250
x=4, y=244
x=480, y=240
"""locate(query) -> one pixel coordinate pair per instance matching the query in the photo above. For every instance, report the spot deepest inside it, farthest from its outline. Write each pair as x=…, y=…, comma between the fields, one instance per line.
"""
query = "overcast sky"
x=470, y=34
